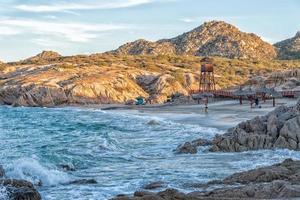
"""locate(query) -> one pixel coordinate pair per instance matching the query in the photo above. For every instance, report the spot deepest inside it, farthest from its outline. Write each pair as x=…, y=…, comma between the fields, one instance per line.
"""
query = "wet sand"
x=221, y=114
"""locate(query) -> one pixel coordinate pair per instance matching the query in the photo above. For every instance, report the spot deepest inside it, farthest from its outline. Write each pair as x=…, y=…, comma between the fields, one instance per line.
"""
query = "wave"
x=31, y=170
x=3, y=193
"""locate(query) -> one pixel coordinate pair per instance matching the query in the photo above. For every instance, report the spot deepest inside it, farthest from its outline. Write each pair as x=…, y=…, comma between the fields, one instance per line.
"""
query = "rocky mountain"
x=290, y=48
x=42, y=57
x=215, y=38
x=50, y=80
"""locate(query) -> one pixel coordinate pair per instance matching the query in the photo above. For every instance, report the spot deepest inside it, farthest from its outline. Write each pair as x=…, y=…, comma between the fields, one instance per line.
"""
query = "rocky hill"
x=290, y=48
x=215, y=38
x=45, y=80
x=42, y=57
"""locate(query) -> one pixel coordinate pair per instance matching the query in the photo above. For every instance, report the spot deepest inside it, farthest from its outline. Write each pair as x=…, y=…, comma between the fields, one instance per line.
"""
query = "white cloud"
x=75, y=32
x=187, y=20
x=84, y=5
x=7, y=31
x=208, y=18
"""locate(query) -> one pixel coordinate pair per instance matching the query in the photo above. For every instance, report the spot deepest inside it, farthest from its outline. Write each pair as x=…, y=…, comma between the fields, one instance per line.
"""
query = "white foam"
x=3, y=193
x=31, y=170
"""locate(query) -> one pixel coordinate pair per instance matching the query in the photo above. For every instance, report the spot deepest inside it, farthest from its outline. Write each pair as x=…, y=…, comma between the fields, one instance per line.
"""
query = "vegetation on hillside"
x=230, y=72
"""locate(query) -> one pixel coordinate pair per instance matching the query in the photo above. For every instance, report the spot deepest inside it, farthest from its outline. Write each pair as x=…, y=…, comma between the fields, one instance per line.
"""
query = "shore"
x=256, y=135
x=221, y=114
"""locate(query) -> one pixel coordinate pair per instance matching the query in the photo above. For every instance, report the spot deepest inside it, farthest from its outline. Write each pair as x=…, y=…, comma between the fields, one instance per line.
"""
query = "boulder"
x=67, y=167
x=279, y=181
x=186, y=148
x=153, y=123
x=83, y=182
x=191, y=147
x=20, y=189
x=154, y=185
x=278, y=129
x=2, y=172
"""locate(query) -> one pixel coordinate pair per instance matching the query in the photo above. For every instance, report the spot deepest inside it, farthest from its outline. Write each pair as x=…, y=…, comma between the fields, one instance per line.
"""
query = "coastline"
x=221, y=114
x=132, y=146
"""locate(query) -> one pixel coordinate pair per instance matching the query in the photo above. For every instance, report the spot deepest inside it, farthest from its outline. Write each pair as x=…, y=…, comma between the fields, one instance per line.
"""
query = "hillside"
x=215, y=38
x=43, y=57
x=290, y=48
x=103, y=78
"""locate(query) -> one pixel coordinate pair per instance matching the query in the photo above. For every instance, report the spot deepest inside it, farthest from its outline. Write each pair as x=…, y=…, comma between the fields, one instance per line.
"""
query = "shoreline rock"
x=279, y=181
x=20, y=189
x=191, y=147
x=83, y=182
x=278, y=129
x=154, y=185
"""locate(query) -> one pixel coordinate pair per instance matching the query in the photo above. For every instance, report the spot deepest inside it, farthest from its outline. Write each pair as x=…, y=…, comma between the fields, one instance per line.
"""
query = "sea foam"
x=31, y=170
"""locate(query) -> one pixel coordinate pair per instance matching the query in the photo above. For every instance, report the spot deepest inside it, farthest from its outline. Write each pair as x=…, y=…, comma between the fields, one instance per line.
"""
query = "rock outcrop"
x=191, y=147
x=14, y=189
x=2, y=172
x=50, y=80
x=42, y=57
x=67, y=81
x=19, y=189
x=290, y=48
x=278, y=129
x=154, y=185
x=279, y=181
x=215, y=38
x=83, y=182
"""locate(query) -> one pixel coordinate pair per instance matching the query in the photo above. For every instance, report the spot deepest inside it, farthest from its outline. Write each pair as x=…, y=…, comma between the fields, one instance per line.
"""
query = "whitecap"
x=3, y=193
x=31, y=170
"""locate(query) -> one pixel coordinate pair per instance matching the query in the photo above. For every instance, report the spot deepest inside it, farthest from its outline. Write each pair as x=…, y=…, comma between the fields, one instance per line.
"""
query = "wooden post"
x=273, y=101
x=206, y=104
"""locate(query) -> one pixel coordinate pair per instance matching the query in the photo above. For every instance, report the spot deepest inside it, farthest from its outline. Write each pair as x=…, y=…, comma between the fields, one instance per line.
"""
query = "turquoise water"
x=118, y=149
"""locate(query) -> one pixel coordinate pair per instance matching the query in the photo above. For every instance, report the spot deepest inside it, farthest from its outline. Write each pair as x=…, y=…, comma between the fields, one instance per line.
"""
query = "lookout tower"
x=207, y=79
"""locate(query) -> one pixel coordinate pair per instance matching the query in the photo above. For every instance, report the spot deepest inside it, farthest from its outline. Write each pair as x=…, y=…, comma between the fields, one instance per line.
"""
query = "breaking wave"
x=31, y=170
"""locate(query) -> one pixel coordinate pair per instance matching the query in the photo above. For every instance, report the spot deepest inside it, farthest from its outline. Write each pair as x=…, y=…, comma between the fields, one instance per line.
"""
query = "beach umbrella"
x=274, y=94
x=207, y=95
x=202, y=95
x=240, y=93
x=249, y=92
x=263, y=90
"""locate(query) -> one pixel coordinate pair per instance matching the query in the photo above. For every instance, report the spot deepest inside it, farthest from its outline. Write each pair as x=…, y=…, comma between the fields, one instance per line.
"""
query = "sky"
x=73, y=27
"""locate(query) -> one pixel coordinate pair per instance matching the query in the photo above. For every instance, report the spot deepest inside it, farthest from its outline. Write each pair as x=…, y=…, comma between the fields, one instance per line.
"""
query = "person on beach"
x=206, y=105
x=256, y=102
x=251, y=101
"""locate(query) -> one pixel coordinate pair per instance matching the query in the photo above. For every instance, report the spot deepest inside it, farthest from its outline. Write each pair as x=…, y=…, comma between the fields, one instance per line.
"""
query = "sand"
x=221, y=114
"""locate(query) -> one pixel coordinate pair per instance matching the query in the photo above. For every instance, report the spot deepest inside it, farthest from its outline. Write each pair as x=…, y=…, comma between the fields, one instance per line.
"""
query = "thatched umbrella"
x=263, y=91
x=274, y=94
x=204, y=95
x=207, y=95
x=239, y=93
x=249, y=92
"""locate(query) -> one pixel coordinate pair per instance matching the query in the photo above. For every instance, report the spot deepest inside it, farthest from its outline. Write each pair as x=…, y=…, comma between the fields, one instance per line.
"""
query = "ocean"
x=119, y=149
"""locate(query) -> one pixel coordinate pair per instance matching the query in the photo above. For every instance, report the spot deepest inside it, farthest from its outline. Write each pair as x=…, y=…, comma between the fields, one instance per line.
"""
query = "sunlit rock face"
x=215, y=38
x=290, y=48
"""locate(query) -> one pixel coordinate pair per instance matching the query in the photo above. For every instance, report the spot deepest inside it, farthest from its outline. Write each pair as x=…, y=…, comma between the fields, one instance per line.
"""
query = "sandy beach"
x=221, y=114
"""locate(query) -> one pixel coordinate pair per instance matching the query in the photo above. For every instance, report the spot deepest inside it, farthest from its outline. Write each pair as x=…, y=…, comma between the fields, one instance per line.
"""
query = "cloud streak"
x=74, y=32
x=208, y=18
x=81, y=5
